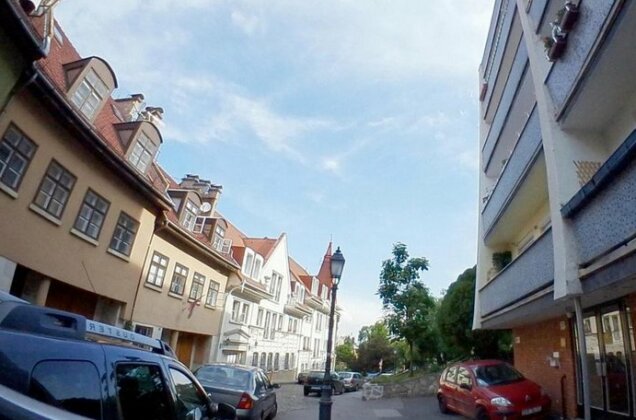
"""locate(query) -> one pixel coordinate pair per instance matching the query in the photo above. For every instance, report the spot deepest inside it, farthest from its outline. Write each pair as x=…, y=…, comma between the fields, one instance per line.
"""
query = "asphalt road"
x=292, y=405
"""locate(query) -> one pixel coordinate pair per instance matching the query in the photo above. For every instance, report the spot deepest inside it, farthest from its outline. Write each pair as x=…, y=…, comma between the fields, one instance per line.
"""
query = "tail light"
x=246, y=402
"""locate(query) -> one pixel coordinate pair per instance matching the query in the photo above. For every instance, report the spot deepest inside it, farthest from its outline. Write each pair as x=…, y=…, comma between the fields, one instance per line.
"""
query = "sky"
x=352, y=121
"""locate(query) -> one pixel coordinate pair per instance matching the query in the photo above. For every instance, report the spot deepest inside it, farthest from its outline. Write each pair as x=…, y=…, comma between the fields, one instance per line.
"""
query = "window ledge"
x=8, y=191
x=237, y=323
x=198, y=301
x=84, y=237
x=153, y=287
x=118, y=255
x=175, y=295
x=213, y=308
x=44, y=214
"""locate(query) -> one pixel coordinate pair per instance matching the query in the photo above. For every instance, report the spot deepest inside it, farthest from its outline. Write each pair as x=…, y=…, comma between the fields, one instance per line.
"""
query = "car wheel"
x=305, y=392
x=443, y=406
x=274, y=412
x=482, y=414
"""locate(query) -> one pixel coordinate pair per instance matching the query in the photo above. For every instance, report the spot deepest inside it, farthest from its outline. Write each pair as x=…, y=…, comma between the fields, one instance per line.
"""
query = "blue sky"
x=355, y=120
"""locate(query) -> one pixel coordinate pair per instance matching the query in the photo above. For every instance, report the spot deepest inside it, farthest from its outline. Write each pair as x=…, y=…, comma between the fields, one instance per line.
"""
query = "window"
x=249, y=261
x=213, y=293
x=259, y=317
x=191, y=401
x=91, y=215
x=219, y=234
x=279, y=285
x=16, y=152
x=240, y=312
x=255, y=359
x=236, y=307
x=142, y=392
x=276, y=361
x=73, y=386
x=463, y=377
x=179, y=278
x=196, y=290
x=256, y=272
x=89, y=94
x=270, y=358
x=314, y=286
x=267, y=324
x=143, y=330
x=198, y=224
x=157, y=271
x=124, y=235
x=280, y=323
x=245, y=313
x=263, y=361
x=142, y=153
x=316, y=347
x=450, y=374
x=273, y=326
x=293, y=361
x=286, y=365
x=189, y=215
x=54, y=190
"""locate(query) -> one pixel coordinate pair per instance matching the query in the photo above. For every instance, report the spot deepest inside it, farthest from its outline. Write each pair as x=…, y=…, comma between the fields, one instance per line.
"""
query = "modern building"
x=557, y=179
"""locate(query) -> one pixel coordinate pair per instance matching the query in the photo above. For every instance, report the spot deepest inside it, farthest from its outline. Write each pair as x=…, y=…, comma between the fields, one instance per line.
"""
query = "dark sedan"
x=314, y=381
x=245, y=387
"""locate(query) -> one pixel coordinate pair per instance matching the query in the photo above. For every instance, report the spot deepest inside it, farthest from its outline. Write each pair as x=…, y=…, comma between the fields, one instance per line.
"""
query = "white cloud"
x=247, y=24
x=358, y=312
x=331, y=164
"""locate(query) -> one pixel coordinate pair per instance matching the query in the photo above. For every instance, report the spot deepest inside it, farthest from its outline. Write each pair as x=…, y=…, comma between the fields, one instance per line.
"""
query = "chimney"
x=130, y=108
x=155, y=112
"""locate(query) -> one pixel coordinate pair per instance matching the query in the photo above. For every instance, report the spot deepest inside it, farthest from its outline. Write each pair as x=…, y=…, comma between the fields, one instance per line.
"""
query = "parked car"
x=302, y=376
x=247, y=388
x=314, y=382
x=352, y=380
x=490, y=389
x=60, y=361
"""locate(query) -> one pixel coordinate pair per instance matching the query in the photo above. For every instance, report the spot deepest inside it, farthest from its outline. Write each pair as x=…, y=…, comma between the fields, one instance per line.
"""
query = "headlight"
x=500, y=402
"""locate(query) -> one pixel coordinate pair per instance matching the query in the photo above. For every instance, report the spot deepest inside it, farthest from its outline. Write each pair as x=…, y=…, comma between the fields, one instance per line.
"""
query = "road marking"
x=386, y=412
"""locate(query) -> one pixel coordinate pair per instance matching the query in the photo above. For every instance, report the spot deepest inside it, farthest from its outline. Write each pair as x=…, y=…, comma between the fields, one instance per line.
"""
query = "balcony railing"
x=589, y=30
x=523, y=156
x=602, y=212
x=530, y=272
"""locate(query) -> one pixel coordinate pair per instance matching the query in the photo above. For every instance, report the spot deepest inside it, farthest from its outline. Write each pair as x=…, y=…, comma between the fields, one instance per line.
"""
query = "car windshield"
x=345, y=375
x=496, y=374
x=316, y=374
x=224, y=376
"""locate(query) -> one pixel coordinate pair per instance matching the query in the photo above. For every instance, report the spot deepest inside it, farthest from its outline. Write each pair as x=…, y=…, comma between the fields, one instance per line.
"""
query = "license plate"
x=529, y=411
x=316, y=388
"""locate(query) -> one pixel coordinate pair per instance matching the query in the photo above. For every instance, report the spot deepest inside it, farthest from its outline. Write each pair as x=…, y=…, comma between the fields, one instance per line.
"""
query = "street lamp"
x=337, y=264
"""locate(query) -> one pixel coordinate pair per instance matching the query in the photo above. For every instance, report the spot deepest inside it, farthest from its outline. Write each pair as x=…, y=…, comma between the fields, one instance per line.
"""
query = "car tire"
x=274, y=412
x=305, y=392
x=443, y=406
x=482, y=414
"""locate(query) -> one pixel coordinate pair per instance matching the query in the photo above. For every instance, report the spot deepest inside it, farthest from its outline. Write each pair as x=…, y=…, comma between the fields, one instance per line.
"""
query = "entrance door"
x=185, y=343
x=606, y=342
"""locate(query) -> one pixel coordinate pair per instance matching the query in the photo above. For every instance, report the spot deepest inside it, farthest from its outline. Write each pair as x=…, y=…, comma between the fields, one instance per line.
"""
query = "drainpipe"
x=26, y=78
x=585, y=375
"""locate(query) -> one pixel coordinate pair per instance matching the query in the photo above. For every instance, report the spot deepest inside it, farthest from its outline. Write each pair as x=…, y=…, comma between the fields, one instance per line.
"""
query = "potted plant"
x=568, y=16
x=501, y=259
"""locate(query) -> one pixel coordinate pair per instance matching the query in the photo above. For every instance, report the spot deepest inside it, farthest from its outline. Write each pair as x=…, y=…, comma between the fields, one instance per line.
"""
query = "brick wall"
x=534, y=347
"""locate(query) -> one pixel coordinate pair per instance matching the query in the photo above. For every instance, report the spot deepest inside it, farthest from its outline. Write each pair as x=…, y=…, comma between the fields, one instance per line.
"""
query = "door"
x=185, y=343
x=465, y=399
x=265, y=393
x=606, y=341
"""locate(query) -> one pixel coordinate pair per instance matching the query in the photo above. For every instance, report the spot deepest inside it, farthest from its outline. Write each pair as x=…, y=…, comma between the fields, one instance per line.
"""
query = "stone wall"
x=418, y=386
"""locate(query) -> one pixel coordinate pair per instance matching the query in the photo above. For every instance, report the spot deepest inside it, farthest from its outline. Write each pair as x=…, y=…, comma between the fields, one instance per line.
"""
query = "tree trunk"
x=410, y=358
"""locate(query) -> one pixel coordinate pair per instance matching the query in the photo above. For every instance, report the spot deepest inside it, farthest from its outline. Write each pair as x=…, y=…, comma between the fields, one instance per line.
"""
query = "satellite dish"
x=205, y=207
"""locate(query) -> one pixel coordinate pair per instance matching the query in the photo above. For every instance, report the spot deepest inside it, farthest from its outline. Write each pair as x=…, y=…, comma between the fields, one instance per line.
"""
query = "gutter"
x=18, y=22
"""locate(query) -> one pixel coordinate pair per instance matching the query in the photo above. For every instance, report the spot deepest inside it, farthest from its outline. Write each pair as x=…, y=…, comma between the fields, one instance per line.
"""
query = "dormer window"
x=142, y=153
x=189, y=215
x=314, y=286
x=249, y=263
x=219, y=235
x=89, y=94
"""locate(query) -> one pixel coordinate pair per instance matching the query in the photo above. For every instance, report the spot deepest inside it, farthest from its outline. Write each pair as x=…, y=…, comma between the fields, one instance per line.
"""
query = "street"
x=348, y=406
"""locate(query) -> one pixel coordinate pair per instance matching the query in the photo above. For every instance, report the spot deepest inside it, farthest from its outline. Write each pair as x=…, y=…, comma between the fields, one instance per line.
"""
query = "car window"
x=463, y=377
x=498, y=374
x=224, y=376
x=345, y=375
x=141, y=391
x=266, y=380
x=70, y=385
x=191, y=401
x=261, y=385
x=335, y=376
x=450, y=374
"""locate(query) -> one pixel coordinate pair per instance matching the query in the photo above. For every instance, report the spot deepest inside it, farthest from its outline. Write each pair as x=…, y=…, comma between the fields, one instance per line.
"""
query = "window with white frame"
x=124, y=234
x=142, y=153
x=256, y=272
x=263, y=361
x=240, y=312
x=92, y=214
x=89, y=94
x=157, y=271
x=259, y=317
x=280, y=323
x=316, y=347
x=286, y=365
x=300, y=293
x=255, y=359
x=196, y=289
x=268, y=320
x=198, y=224
x=245, y=313
x=275, y=285
x=219, y=236
x=314, y=286
x=277, y=361
x=213, y=293
x=16, y=152
x=325, y=292
x=293, y=361
x=249, y=262
x=272, y=331
x=236, y=309
x=179, y=278
x=189, y=215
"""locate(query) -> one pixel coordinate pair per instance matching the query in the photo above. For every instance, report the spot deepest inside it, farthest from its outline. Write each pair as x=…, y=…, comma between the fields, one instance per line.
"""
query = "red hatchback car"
x=489, y=390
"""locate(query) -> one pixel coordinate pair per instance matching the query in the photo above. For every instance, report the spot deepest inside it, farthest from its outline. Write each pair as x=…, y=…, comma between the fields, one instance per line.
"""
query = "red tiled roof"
x=324, y=274
x=262, y=246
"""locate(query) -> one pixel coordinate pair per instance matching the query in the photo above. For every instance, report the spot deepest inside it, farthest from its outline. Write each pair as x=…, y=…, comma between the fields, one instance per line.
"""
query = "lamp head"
x=337, y=264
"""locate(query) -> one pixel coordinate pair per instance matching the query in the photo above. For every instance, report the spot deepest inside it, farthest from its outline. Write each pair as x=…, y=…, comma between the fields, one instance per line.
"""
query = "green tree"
x=455, y=322
x=407, y=301
x=375, y=346
x=346, y=358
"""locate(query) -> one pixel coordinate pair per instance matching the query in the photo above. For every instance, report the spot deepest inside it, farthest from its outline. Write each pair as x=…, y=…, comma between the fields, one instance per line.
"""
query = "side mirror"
x=225, y=412
x=276, y=386
x=467, y=387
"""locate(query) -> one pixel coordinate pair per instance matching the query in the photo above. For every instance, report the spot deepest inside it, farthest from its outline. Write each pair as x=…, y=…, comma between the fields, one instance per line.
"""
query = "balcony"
x=519, y=168
x=295, y=307
x=585, y=43
x=529, y=273
x=602, y=212
x=492, y=148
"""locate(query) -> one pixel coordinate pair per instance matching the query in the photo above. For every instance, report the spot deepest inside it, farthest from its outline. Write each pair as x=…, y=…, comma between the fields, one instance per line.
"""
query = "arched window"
x=255, y=359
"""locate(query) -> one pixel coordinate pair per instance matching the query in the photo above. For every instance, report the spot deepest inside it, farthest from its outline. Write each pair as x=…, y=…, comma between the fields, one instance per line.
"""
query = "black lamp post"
x=337, y=264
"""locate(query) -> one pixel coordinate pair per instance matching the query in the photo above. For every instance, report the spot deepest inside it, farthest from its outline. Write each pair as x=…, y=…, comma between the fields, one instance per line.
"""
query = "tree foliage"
x=407, y=301
x=455, y=322
x=375, y=345
x=346, y=358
